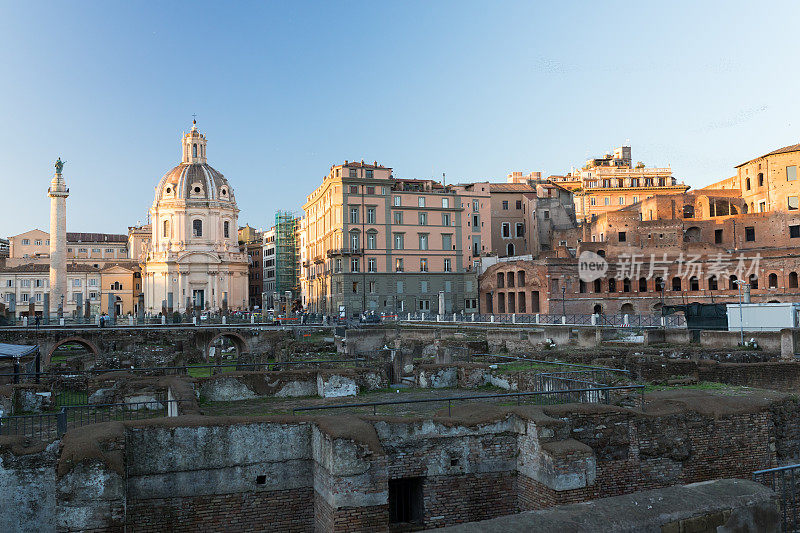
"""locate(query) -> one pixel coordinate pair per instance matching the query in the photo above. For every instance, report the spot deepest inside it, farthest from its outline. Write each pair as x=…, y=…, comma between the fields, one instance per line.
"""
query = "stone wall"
x=333, y=473
x=27, y=484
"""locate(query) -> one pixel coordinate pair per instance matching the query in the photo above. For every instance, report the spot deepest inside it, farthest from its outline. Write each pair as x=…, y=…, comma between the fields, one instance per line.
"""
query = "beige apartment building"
x=612, y=182
x=92, y=248
x=373, y=242
x=769, y=183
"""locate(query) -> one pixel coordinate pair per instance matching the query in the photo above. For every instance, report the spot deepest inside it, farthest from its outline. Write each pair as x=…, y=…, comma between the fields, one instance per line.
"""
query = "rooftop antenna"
x=443, y=181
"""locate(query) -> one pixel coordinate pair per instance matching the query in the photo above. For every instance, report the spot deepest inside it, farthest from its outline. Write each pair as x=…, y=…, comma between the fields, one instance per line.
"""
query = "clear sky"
x=284, y=90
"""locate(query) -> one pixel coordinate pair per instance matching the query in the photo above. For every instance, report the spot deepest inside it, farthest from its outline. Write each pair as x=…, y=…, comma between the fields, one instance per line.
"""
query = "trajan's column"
x=58, y=193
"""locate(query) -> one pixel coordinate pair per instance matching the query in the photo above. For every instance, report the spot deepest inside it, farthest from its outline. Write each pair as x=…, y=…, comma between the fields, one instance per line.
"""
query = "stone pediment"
x=116, y=269
x=198, y=257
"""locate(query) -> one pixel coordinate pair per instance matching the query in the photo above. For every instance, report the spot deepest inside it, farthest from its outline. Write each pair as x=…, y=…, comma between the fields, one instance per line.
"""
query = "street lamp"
x=739, y=283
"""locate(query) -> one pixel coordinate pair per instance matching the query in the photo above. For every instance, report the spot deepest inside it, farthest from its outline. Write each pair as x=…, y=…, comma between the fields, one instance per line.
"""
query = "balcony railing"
x=345, y=251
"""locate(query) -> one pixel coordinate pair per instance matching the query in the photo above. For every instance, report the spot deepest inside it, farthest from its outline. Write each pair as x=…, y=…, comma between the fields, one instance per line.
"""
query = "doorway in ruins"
x=223, y=350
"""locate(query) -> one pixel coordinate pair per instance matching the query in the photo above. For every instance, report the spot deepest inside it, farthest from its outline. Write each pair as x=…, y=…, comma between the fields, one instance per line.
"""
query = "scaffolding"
x=287, y=263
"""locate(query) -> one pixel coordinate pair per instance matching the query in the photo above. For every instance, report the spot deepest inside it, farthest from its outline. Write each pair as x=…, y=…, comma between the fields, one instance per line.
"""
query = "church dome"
x=194, y=181
x=194, y=178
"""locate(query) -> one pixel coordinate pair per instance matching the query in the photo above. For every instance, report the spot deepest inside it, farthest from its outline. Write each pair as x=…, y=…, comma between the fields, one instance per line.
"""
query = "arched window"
x=627, y=309
x=597, y=286
x=166, y=228
x=694, y=284
x=792, y=280
x=772, y=281
x=194, y=150
x=692, y=235
x=712, y=283
x=626, y=285
x=747, y=184
x=753, y=281
x=598, y=309
x=760, y=179
x=581, y=286
x=659, y=286
x=197, y=228
x=601, y=253
x=612, y=285
x=642, y=284
x=676, y=284
x=501, y=280
x=732, y=284
x=510, y=249
x=226, y=229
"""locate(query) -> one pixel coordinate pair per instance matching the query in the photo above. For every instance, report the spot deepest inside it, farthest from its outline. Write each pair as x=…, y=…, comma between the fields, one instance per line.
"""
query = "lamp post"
x=563, y=300
x=739, y=283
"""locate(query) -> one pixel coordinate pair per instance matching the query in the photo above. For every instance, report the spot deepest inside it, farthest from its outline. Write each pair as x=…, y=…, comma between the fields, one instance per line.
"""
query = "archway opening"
x=226, y=349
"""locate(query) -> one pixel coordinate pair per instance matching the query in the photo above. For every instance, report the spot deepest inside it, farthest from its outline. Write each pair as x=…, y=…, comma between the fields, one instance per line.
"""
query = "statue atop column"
x=59, y=166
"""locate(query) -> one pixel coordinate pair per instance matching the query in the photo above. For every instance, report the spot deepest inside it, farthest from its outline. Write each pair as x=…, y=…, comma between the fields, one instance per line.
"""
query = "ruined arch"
x=89, y=345
x=237, y=340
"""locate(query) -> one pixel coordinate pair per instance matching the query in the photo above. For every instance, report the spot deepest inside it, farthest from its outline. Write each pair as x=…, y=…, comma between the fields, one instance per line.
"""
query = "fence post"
x=491, y=318
x=513, y=318
x=61, y=422
x=625, y=320
x=163, y=320
x=537, y=318
x=563, y=319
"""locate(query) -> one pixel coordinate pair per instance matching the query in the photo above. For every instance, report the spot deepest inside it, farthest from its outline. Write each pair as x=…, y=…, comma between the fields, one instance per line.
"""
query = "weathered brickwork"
x=468, y=498
x=278, y=510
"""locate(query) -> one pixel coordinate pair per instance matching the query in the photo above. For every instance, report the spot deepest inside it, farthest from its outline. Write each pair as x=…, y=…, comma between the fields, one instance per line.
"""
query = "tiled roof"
x=511, y=187
x=784, y=150
x=96, y=237
x=45, y=267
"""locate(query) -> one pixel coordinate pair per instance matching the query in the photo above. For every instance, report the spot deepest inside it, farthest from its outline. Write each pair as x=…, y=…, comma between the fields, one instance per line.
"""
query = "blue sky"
x=284, y=90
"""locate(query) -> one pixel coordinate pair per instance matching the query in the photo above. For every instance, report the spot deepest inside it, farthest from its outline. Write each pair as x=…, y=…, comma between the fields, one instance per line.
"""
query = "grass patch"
x=703, y=385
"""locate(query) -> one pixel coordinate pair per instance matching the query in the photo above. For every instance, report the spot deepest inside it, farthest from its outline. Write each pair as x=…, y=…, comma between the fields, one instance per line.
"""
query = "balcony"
x=345, y=251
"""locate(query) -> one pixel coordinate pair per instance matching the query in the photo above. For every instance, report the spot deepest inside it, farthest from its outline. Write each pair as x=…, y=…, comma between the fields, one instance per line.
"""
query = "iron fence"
x=619, y=321
x=48, y=426
x=784, y=481
x=576, y=395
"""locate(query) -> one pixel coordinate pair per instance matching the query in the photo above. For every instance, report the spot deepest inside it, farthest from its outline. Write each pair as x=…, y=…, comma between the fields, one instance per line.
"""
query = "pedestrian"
x=37, y=319
x=102, y=320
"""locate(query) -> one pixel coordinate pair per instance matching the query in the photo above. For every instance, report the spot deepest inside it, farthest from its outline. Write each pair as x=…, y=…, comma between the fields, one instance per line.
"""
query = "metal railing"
x=618, y=321
x=179, y=370
x=542, y=397
x=784, y=481
x=53, y=425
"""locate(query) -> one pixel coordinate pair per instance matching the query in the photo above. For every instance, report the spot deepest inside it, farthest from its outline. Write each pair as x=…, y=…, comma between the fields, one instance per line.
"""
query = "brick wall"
x=279, y=510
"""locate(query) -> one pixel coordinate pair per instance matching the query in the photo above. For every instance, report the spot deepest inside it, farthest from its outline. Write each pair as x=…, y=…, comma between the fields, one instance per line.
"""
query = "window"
x=506, y=229
x=93, y=282
x=354, y=215
x=520, y=229
x=423, y=219
x=37, y=242
x=712, y=283
x=337, y=267
x=424, y=305
x=445, y=219
x=760, y=179
x=501, y=280
x=370, y=174
x=398, y=265
x=95, y=250
x=791, y=173
x=423, y=241
x=355, y=287
x=476, y=223
x=197, y=228
x=109, y=250
x=794, y=232
x=353, y=188
x=399, y=287
x=772, y=281
x=75, y=282
x=354, y=265
x=398, y=217
x=792, y=200
x=447, y=266
x=421, y=201
x=621, y=200
x=397, y=201
x=371, y=287
x=546, y=215
x=747, y=181
x=519, y=204
x=607, y=200
x=371, y=238
x=370, y=215
x=622, y=236
x=398, y=241
x=448, y=286
x=424, y=286
x=26, y=242
x=505, y=205
x=355, y=239
x=423, y=265
x=510, y=249
x=445, y=202
x=717, y=236
x=694, y=284
x=447, y=242
x=792, y=280
x=635, y=199
x=750, y=234
x=475, y=205
x=226, y=229
x=753, y=281
x=372, y=265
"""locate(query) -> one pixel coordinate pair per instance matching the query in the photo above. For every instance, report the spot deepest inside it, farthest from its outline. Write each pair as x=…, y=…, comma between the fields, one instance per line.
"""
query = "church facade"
x=193, y=260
